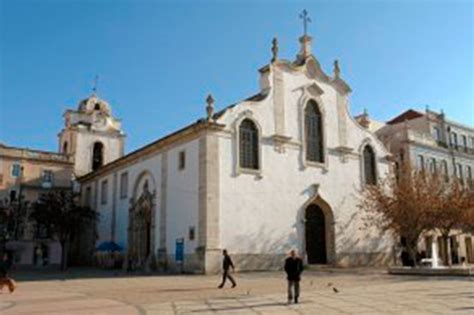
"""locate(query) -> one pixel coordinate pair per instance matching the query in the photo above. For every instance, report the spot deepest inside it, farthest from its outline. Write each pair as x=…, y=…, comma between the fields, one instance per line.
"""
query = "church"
x=282, y=169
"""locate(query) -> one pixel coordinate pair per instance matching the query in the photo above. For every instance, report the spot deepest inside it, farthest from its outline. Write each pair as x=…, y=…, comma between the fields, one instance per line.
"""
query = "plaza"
x=361, y=291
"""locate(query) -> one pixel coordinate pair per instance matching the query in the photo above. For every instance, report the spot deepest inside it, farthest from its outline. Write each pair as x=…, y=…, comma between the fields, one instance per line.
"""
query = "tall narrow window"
x=437, y=133
x=97, y=155
x=370, y=173
x=182, y=160
x=104, y=192
x=16, y=170
x=65, y=147
x=432, y=166
x=455, y=140
x=88, y=201
x=314, y=133
x=464, y=142
x=469, y=176
x=444, y=166
x=123, y=185
x=420, y=163
x=248, y=146
x=459, y=172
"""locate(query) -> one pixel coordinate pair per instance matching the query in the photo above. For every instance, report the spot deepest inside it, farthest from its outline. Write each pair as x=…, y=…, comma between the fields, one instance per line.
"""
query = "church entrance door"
x=315, y=235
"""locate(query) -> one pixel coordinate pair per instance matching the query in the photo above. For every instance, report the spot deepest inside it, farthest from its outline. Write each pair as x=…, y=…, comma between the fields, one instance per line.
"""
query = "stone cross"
x=306, y=19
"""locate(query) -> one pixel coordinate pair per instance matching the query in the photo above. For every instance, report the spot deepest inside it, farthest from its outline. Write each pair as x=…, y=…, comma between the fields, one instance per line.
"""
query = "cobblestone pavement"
x=360, y=292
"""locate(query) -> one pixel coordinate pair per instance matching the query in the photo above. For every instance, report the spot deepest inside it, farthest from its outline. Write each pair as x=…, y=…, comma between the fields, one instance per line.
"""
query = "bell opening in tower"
x=97, y=155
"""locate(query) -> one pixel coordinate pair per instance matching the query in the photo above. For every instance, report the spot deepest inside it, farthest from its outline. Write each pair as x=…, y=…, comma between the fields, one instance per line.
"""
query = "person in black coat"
x=226, y=265
x=293, y=269
x=5, y=280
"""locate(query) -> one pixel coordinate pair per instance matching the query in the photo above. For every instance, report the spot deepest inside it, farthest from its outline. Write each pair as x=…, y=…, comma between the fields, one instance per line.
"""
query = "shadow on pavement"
x=76, y=273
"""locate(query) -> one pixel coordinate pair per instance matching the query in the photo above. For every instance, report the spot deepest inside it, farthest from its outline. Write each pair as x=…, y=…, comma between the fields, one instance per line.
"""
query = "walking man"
x=4, y=279
x=226, y=265
x=293, y=269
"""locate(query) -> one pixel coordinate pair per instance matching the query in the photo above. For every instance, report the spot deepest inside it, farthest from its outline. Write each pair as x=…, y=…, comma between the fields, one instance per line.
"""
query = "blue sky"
x=157, y=60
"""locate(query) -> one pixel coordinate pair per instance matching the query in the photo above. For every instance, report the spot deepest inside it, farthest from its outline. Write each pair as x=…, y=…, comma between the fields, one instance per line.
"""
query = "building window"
x=454, y=142
x=16, y=170
x=48, y=177
x=182, y=160
x=104, y=192
x=370, y=172
x=444, y=166
x=432, y=166
x=192, y=233
x=12, y=195
x=459, y=172
x=88, y=201
x=124, y=185
x=314, y=133
x=469, y=176
x=437, y=133
x=248, y=145
x=420, y=163
x=464, y=142
x=97, y=155
x=65, y=147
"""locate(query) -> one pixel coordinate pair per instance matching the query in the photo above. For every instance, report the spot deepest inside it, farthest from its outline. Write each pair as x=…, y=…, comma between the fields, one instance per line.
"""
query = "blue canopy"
x=109, y=247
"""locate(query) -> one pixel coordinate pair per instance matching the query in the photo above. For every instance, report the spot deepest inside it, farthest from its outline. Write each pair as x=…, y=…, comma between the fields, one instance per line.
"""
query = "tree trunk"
x=64, y=249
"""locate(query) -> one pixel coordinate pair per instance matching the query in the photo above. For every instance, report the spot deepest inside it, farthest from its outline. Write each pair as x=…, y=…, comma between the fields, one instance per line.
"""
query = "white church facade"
x=281, y=170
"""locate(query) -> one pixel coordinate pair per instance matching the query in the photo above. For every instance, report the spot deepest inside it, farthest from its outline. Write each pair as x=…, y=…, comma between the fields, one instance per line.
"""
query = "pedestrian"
x=4, y=279
x=226, y=265
x=293, y=269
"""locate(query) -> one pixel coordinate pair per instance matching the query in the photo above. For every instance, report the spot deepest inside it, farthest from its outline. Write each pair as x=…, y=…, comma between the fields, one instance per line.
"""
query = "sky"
x=158, y=60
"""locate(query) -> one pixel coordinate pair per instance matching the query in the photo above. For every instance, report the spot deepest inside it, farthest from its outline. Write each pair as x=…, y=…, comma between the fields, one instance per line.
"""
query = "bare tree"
x=61, y=214
x=403, y=203
x=452, y=212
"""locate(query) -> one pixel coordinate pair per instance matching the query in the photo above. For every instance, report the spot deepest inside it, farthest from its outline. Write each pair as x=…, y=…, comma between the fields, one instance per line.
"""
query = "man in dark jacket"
x=226, y=265
x=4, y=279
x=293, y=269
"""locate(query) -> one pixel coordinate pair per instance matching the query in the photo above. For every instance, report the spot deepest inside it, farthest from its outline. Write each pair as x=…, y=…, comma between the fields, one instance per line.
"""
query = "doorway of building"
x=315, y=235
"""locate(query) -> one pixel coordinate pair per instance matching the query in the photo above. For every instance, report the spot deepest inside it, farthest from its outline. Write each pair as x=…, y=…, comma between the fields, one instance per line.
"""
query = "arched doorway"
x=141, y=229
x=315, y=235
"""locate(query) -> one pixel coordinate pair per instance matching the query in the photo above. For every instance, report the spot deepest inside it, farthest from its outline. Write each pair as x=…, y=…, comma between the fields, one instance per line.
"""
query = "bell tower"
x=91, y=135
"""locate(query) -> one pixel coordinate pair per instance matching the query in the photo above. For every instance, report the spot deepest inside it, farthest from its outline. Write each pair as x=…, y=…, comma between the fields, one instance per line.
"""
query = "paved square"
x=361, y=291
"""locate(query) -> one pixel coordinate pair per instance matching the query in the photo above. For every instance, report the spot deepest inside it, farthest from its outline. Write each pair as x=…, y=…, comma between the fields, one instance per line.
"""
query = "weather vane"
x=306, y=19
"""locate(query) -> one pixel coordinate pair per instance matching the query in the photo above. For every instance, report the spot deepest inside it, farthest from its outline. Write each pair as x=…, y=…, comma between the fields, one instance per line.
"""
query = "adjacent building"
x=431, y=142
x=91, y=137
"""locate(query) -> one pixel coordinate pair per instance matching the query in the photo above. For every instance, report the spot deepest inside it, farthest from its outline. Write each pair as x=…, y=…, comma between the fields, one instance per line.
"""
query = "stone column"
x=208, y=223
x=162, y=252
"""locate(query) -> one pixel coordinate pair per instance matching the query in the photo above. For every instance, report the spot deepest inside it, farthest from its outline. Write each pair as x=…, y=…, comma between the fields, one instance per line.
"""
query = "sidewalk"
x=360, y=292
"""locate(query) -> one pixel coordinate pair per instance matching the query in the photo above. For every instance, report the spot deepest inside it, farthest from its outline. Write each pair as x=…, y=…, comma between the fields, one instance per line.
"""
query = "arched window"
x=65, y=147
x=314, y=133
x=248, y=145
x=97, y=155
x=370, y=173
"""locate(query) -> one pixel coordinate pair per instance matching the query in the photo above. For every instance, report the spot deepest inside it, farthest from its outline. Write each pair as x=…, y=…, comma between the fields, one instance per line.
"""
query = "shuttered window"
x=314, y=133
x=370, y=173
x=248, y=146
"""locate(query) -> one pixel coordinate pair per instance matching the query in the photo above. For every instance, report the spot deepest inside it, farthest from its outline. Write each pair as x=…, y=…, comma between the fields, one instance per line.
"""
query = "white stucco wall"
x=183, y=198
x=265, y=214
